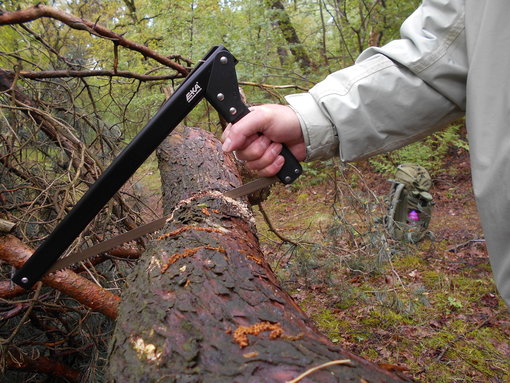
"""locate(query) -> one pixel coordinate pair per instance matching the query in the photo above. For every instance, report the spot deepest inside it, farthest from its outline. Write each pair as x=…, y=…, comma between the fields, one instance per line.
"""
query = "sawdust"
x=186, y=253
x=187, y=228
x=240, y=334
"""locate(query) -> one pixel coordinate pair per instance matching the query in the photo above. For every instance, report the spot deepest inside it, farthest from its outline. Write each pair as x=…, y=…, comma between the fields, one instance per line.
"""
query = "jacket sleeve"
x=392, y=95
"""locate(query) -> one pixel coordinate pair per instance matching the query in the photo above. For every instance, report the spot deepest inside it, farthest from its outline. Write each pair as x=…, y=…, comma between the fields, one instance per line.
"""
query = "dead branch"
x=271, y=227
x=45, y=74
x=16, y=253
x=9, y=290
x=40, y=10
x=270, y=86
x=15, y=360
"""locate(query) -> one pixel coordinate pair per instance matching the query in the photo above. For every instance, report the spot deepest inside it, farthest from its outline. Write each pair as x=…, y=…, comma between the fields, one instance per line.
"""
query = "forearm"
x=393, y=95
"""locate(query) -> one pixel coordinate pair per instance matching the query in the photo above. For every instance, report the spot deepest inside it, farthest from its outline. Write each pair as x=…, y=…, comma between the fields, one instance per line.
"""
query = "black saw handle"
x=214, y=78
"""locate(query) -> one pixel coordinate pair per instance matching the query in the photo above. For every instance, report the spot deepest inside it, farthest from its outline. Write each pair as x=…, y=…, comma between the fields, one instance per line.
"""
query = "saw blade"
x=80, y=256
x=251, y=187
x=109, y=244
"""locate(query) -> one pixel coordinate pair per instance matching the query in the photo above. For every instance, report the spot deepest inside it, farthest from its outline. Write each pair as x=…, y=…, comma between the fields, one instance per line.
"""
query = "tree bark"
x=203, y=304
x=15, y=253
x=281, y=18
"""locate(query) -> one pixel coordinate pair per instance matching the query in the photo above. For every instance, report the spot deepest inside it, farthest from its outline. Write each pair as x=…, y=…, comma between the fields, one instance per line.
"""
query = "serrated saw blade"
x=80, y=256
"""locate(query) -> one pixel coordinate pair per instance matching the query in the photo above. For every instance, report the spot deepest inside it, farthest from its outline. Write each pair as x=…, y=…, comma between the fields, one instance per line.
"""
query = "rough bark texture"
x=203, y=305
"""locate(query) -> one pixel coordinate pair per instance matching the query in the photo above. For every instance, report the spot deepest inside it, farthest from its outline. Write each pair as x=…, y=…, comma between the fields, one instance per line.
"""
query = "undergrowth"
x=430, y=310
x=429, y=152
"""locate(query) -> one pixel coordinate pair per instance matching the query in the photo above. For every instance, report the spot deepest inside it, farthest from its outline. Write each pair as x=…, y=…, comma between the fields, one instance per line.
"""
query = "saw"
x=215, y=79
x=80, y=256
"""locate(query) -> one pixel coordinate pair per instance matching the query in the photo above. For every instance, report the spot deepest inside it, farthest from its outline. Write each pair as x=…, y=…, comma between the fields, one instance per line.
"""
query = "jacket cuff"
x=320, y=135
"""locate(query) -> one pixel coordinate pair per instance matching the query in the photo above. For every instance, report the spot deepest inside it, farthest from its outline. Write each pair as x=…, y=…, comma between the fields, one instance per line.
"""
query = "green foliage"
x=429, y=152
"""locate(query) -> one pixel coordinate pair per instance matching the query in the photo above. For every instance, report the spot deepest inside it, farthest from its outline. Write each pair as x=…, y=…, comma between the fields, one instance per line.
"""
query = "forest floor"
x=429, y=310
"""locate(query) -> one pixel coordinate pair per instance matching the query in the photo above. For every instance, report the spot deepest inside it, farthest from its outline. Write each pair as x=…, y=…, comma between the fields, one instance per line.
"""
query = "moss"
x=434, y=279
x=408, y=262
x=370, y=354
x=302, y=197
x=388, y=319
x=331, y=324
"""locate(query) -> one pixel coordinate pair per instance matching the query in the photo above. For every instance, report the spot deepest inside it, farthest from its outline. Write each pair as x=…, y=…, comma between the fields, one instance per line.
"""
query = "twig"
x=25, y=316
x=313, y=369
x=457, y=247
x=271, y=228
x=459, y=337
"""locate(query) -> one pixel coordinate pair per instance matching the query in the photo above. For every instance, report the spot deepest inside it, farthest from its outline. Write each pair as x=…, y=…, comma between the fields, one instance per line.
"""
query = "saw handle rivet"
x=24, y=280
x=220, y=96
x=223, y=59
x=233, y=111
x=288, y=179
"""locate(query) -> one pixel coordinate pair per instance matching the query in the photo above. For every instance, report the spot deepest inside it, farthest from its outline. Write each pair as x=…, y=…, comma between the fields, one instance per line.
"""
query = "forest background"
x=430, y=310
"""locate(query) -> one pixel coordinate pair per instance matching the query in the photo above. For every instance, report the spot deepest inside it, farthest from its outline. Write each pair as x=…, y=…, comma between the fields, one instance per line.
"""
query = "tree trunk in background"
x=203, y=305
x=281, y=18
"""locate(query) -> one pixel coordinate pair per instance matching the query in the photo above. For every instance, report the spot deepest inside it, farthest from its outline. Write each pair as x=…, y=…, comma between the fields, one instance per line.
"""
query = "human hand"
x=257, y=138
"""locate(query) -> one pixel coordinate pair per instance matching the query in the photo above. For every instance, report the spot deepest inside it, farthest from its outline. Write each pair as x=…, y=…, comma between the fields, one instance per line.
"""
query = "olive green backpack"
x=410, y=203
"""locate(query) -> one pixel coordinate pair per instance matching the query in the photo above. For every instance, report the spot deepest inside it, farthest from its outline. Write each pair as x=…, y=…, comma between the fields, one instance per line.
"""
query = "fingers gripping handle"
x=223, y=93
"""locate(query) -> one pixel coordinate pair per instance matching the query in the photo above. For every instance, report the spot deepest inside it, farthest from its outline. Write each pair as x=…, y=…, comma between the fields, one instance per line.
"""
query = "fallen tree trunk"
x=203, y=305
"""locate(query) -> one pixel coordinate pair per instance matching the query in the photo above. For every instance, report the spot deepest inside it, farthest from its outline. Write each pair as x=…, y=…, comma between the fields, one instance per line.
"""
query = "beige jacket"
x=453, y=58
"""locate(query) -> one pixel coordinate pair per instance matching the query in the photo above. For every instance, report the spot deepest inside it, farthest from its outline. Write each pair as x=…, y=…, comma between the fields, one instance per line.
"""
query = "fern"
x=429, y=152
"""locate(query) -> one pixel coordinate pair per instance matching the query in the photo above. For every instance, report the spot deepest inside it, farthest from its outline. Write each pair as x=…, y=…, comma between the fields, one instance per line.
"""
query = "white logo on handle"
x=192, y=93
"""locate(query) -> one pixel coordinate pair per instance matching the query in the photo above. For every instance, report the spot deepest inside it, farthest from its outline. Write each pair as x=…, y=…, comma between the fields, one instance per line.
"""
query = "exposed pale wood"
x=6, y=226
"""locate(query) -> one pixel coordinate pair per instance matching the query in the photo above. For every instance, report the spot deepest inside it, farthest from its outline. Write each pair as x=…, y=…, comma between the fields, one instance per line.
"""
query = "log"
x=203, y=304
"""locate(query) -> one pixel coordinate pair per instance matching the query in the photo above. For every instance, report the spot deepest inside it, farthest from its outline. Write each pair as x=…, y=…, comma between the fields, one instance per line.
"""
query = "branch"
x=17, y=361
x=269, y=86
x=15, y=253
x=43, y=74
x=9, y=290
x=40, y=10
